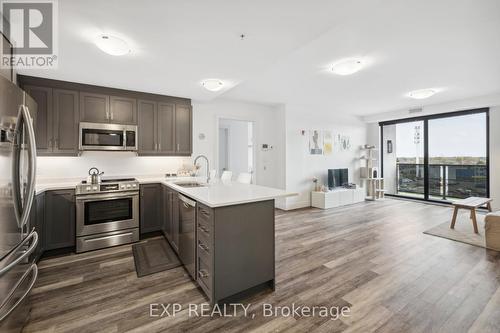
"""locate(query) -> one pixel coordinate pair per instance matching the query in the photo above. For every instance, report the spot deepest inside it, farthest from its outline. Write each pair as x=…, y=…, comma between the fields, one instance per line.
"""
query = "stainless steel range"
x=107, y=214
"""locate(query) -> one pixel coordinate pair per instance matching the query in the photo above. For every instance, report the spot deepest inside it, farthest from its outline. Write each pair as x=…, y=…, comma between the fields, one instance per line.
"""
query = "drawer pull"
x=203, y=247
x=204, y=212
x=202, y=228
x=203, y=273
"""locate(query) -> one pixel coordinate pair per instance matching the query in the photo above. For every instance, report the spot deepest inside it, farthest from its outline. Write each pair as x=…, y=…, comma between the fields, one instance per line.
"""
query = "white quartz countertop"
x=218, y=193
x=215, y=194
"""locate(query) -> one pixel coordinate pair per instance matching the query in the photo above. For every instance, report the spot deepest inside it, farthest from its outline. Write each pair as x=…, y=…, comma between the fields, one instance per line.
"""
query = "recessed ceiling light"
x=112, y=45
x=347, y=66
x=213, y=84
x=422, y=93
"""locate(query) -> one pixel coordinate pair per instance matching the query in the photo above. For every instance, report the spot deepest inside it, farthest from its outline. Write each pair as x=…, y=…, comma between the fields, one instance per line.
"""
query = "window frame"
x=425, y=120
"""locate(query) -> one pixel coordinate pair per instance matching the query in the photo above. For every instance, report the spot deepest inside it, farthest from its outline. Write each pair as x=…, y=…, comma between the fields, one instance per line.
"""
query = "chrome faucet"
x=208, y=165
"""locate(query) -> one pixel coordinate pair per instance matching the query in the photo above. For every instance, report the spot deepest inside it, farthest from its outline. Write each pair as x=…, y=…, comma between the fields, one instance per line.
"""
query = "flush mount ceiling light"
x=213, y=84
x=112, y=45
x=421, y=93
x=347, y=66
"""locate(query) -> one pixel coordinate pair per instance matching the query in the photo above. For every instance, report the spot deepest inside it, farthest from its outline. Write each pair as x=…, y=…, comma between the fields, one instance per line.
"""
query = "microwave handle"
x=124, y=138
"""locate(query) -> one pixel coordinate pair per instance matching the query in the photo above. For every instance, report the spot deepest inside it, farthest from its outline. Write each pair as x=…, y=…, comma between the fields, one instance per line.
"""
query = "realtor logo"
x=31, y=28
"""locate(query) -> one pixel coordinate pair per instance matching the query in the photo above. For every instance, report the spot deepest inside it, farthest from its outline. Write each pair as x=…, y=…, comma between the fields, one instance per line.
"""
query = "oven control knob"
x=94, y=188
x=123, y=186
x=88, y=188
x=134, y=185
x=128, y=185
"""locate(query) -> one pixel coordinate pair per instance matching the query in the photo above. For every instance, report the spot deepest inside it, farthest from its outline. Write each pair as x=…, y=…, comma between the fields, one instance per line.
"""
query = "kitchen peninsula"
x=223, y=232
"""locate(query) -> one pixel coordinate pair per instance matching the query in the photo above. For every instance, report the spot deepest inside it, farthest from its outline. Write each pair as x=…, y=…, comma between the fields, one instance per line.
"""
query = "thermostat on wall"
x=266, y=146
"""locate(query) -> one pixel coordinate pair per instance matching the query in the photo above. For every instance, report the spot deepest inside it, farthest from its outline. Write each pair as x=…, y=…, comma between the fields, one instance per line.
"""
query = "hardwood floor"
x=372, y=257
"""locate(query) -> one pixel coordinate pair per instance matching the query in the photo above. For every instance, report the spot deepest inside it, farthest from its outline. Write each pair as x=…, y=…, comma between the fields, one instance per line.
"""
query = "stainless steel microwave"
x=113, y=137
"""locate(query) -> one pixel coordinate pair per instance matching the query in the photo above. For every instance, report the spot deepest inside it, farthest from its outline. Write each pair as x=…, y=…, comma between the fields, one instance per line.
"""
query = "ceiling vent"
x=416, y=110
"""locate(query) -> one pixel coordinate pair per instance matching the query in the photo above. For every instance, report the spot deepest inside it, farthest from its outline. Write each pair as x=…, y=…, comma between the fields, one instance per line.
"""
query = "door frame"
x=254, y=122
x=425, y=120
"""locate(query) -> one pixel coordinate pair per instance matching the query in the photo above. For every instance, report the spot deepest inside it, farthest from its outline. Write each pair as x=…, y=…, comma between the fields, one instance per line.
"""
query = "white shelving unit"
x=374, y=185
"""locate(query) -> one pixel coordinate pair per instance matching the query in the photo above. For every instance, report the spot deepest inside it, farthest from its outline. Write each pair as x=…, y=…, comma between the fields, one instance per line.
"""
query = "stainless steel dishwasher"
x=187, y=236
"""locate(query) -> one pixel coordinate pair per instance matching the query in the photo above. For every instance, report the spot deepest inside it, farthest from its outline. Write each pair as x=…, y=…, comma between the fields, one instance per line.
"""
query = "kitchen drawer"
x=204, y=225
x=204, y=251
x=205, y=234
x=204, y=276
x=205, y=214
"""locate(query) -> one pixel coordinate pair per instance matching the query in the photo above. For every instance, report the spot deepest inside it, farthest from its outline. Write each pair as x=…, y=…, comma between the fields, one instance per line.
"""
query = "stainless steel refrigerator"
x=18, y=270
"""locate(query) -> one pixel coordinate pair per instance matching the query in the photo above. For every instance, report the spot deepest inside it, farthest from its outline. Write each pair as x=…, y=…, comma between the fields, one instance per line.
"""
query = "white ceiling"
x=451, y=45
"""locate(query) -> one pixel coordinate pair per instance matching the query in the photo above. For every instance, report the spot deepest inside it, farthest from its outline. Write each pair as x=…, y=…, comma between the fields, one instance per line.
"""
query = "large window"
x=438, y=157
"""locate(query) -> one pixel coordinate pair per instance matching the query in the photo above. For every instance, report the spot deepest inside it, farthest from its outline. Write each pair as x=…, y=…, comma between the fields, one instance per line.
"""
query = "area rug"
x=153, y=256
x=463, y=231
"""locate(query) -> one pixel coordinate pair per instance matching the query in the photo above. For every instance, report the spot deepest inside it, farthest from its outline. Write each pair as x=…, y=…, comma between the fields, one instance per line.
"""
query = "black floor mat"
x=153, y=256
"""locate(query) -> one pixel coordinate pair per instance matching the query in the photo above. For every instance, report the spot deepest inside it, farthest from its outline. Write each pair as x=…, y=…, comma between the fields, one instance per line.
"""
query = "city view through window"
x=457, y=157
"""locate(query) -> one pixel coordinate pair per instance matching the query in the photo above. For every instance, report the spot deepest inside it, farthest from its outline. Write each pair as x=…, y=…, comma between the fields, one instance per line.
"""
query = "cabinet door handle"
x=178, y=147
x=159, y=146
x=112, y=115
x=56, y=143
x=107, y=115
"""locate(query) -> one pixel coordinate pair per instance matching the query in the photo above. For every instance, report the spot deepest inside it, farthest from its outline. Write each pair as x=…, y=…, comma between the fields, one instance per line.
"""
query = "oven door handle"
x=106, y=196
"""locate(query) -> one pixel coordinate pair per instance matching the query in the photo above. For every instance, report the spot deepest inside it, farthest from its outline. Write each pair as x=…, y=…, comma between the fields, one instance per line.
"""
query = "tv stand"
x=337, y=197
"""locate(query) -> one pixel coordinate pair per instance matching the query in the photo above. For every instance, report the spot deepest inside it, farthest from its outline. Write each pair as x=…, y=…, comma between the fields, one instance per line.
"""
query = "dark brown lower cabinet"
x=60, y=220
x=37, y=218
x=150, y=207
x=235, y=249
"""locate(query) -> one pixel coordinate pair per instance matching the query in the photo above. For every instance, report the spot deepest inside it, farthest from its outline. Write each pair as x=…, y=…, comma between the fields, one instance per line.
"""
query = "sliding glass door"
x=438, y=157
x=404, y=171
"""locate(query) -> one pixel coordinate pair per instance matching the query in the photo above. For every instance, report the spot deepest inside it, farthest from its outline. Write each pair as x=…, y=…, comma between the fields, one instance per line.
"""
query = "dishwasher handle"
x=187, y=201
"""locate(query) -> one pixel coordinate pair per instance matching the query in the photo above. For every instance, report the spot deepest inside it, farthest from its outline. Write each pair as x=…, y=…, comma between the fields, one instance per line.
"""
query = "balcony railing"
x=446, y=181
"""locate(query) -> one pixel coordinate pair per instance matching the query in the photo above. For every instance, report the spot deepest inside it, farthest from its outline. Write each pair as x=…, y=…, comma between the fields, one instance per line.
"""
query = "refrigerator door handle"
x=33, y=235
x=33, y=269
x=22, y=213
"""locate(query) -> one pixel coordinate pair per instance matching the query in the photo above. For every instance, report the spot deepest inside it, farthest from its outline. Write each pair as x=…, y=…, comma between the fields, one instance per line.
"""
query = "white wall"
x=303, y=167
x=112, y=163
x=268, y=129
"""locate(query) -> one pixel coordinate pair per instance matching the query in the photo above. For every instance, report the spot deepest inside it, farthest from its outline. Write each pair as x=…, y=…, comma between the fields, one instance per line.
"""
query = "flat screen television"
x=337, y=177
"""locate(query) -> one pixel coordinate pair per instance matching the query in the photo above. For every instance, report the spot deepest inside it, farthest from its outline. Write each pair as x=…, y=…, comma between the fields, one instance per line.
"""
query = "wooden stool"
x=471, y=203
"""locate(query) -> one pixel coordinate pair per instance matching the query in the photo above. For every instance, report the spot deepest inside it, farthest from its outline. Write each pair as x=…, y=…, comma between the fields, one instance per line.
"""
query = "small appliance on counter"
x=94, y=176
x=107, y=213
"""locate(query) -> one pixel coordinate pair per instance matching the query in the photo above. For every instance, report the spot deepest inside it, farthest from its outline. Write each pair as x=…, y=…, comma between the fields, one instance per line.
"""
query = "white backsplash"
x=112, y=163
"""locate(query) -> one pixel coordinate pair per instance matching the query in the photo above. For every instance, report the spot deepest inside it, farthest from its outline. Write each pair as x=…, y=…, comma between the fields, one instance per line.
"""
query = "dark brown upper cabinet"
x=43, y=118
x=148, y=125
x=164, y=122
x=56, y=120
x=99, y=108
x=94, y=107
x=65, y=126
x=183, y=130
x=122, y=110
x=164, y=129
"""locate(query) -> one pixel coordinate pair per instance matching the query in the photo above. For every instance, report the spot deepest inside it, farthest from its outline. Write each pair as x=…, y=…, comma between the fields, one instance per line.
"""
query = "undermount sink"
x=191, y=184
